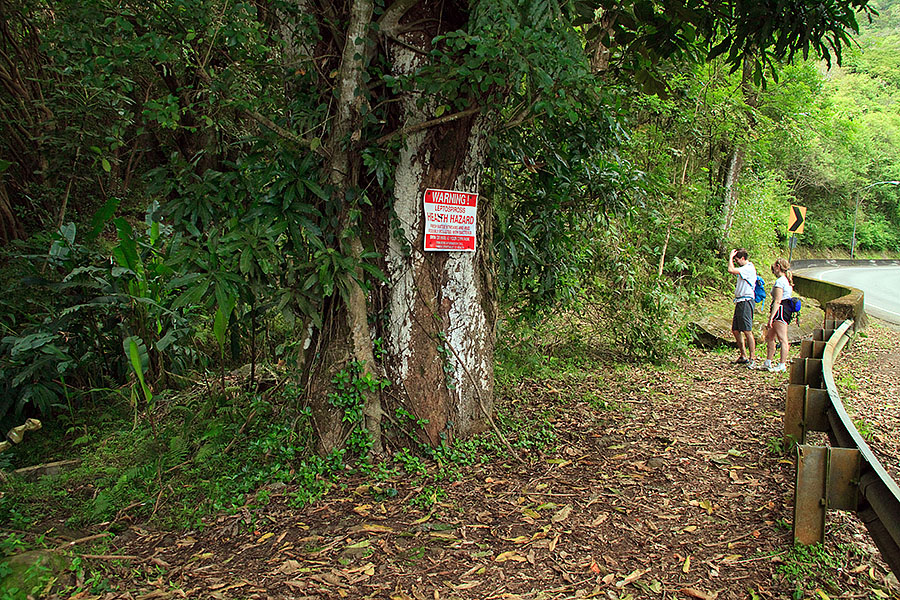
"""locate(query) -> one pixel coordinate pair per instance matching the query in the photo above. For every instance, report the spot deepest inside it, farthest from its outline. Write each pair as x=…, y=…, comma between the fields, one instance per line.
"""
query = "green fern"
x=179, y=448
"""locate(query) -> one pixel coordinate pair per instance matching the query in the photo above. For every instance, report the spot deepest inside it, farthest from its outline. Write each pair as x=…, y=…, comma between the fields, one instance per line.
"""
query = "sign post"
x=450, y=220
x=796, y=218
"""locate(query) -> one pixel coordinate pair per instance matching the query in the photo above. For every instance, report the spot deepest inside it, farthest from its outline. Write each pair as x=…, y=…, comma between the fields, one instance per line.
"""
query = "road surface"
x=881, y=286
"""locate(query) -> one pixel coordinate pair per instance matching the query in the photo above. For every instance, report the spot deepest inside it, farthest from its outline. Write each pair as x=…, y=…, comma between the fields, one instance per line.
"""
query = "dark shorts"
x=743, y=316
x=785, y=311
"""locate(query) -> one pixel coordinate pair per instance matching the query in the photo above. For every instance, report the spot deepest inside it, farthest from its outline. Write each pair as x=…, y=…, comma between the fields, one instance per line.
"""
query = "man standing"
x=742, y=322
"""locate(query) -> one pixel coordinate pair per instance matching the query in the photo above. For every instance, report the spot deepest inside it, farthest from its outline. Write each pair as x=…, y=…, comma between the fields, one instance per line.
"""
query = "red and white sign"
x=450, y=220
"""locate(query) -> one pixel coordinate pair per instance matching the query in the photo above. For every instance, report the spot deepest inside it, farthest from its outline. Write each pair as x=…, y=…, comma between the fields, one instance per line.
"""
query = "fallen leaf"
x=510, y=555
x=562, y=515
x=264, y=537
x=686, y=567
x=466, y=586
x=698, y=594
x=595, y=567
x=519, y=539
x=375, y=528
x=289, y=567
x=631, y=578
x=599, y=519
x=296, y=584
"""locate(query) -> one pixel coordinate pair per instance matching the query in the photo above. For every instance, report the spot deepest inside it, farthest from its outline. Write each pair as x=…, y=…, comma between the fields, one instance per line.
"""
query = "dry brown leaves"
x=663, y=484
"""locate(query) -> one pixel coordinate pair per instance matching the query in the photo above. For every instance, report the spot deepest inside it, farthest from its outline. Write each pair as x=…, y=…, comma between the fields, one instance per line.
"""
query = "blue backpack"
x=759, y=290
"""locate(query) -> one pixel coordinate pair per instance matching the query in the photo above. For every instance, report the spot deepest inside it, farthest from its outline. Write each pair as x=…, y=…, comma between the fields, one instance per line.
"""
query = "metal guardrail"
x=845, y=475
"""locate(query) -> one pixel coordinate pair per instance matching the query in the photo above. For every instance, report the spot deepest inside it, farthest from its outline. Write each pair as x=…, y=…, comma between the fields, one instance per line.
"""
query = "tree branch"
x=269, y=123
x=282, y=132
x=390, y=19
x=427, y=124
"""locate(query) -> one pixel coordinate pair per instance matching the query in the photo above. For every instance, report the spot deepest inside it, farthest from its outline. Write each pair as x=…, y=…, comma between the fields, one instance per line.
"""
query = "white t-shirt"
x=746, y=281
x=786, y=289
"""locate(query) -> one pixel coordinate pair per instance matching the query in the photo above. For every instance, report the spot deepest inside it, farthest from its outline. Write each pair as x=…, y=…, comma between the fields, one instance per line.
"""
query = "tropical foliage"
x=173, y=207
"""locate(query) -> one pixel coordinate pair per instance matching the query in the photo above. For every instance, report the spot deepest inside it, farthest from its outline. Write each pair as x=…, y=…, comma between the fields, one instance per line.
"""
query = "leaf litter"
x=678, y=495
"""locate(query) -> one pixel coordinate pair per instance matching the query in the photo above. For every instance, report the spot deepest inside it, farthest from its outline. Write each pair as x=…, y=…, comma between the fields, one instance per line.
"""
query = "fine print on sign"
x=450, y=220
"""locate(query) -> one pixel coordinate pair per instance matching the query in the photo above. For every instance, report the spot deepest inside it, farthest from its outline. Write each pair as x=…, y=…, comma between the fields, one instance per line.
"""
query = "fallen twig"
x=83, y=540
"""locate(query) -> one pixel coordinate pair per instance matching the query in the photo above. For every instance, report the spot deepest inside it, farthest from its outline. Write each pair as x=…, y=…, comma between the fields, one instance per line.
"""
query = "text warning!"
x=450, y=220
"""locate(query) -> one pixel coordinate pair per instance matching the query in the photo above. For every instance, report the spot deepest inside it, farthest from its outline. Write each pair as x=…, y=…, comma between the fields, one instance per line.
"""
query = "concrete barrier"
x=839, y=302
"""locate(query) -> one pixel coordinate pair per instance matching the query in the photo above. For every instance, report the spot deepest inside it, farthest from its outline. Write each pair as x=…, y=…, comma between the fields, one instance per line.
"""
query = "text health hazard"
x=450, y=220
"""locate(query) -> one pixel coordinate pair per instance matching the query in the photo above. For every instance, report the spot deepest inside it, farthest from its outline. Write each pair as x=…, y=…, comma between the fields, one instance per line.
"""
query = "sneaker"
x=767, y=364
x=780, y=367
x=751, y=364
x=742, y=361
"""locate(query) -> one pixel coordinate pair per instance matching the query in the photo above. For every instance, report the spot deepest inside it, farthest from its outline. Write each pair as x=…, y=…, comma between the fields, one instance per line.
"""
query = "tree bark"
x=735, y=161
x=439, y=309
x=441, y=304
x=442, y=309
x=343, y=167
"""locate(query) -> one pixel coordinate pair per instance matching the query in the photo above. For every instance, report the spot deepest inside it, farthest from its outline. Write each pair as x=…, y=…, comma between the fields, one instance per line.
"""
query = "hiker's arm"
x=731, y=268
x=777, y=293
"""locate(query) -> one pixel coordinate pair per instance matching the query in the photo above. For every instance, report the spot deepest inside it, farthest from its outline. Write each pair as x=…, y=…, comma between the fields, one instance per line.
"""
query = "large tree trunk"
x=731, y=175
x=441, y=304
x=442, y=308
x=439, y=311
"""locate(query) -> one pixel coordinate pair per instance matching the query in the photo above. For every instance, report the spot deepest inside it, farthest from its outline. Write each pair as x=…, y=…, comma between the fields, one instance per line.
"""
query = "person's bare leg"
x=739, y=338
x=751, y=345
x=783, y=338
x=770, y=343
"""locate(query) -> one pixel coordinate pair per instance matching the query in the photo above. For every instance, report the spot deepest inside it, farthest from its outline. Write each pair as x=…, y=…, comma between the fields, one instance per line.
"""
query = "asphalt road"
x=881, y=286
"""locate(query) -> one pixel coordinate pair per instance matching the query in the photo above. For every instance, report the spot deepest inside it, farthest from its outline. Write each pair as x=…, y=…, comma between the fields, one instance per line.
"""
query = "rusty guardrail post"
x=846, y=475
x=805, y=409
x=827, y=478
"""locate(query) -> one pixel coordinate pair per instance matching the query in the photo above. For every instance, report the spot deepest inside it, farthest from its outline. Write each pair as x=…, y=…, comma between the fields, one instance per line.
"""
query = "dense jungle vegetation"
x=199, y=247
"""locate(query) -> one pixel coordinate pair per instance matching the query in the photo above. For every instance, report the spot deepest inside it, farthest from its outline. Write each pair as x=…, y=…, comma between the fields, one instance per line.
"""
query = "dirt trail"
x=662, y=484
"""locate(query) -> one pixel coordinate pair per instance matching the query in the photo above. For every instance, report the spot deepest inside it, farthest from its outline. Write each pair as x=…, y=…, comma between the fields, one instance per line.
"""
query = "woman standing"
x=780, y=314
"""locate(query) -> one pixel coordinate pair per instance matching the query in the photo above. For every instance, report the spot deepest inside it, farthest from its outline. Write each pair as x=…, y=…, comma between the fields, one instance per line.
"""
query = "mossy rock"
x=30, y=573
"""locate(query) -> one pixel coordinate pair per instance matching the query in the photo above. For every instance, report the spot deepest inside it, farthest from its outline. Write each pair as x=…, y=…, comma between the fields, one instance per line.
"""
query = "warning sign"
x=796, y=218
x=450, y=220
